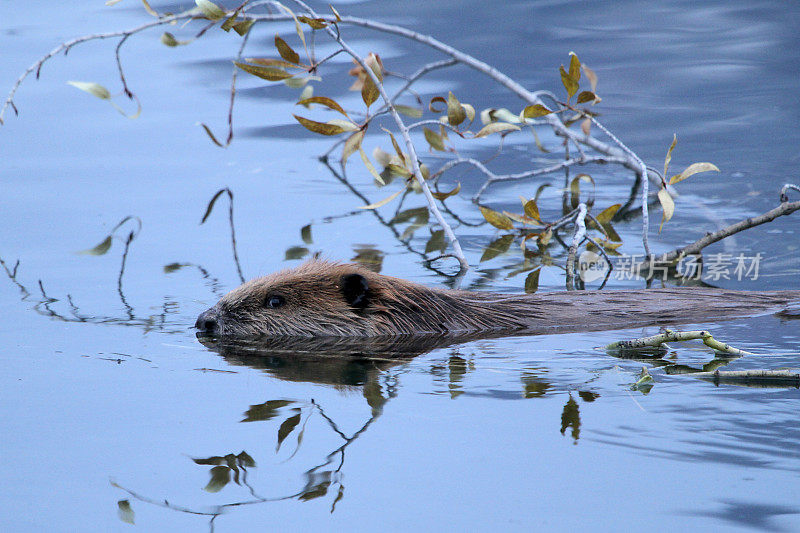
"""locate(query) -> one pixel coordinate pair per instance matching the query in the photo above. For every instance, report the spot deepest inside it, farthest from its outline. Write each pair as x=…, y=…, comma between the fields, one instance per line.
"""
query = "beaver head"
x=321, y=298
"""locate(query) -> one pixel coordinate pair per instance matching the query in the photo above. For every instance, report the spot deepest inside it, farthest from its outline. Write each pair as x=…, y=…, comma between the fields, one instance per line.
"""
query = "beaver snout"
x=207, y=323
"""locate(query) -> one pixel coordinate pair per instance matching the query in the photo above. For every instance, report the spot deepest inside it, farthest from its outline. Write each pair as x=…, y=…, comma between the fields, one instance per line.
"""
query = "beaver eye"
x=274, y=301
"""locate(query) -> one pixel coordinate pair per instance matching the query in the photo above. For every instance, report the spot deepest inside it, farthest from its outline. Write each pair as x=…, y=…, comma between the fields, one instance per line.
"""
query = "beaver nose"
x=207, y=322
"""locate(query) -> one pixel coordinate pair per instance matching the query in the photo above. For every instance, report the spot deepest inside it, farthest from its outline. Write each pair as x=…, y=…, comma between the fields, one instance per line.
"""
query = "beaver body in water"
x=327, y=299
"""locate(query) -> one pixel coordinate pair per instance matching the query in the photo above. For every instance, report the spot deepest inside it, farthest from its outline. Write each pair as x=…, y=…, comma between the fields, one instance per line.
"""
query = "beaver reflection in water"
x=327, y=299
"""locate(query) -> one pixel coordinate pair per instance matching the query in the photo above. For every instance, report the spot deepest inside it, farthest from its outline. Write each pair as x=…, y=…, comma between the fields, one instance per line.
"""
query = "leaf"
x=271, y=62
x=346, y=125
x=382, y=202
x=286, y=428
x=317, y=491
x=370, y=167
x=243, y=26
x=174, y=267
x=434, y=139
x=294, y=253
x=409, y=111
x=455, y=113
x=668, y=205
x=497, y=247
x=211, y=136
x=305, y=234
x=335, y=13
x=668, y=159
x=400, y=171
x=231, y=20
x=168, y=39
x=266, y=73
x=320, y=127
x=436, y=99
x=586, y=96
x=94, y=89
x=586, y=126
x=496, y=127
x=445, y=195
x=575, y=188
x=100, y=249
x=211, y=204
x=369, y=91
x=220, y=476
x=125, y=512
x=522, y=219
x=245, y=460
x=297, y=27
x=210, y=9
x=574, y=67
x=498, y=220
x=265, y=411
x=645, y=382
x=352, y=144
x=605, y=216
x=436, y=242
x=570, y=84
x=286, y=51
x=531, y=209
x=396, y=146
x=315, y=23
x=591, y=76
x=534, y=111
x=305, y=94
x=532, y=281
x=323, y=100
x=382, y=157
x=470, y=111
x=693, y=169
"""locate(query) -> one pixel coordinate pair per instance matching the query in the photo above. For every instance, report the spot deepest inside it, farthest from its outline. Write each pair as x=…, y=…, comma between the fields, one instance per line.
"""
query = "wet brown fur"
x=315, y=306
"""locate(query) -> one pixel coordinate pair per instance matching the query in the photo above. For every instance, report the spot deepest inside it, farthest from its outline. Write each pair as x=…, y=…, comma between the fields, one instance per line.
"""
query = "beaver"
x=330, y=299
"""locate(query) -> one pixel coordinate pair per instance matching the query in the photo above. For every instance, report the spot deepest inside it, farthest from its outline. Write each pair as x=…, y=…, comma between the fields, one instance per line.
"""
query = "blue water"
x=106, y=396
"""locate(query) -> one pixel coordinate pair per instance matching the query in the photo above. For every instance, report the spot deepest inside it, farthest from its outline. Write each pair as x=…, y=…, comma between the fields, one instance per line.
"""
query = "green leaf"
x=320, y=127
x=445, y=195
x=315, y=23
x=243, y=26
x=286, y=51
x=535, y=111
x=265, y=411
x=286, y=428
x=497, y=247
x=496, y=127
x=434, y=139
x=294, y=253
x=220, y=476
x=436, y=242
x=645, y=382
x=693, y=169
x=100, y=249
x=570, y=84
x=266, y=73
x=94, y=89
x=531, y=209
x=532, y=281
x=305, y=234
x=498, y=220
x=574, y=67
x=413, y=112
x=455, y=112
x=668, y=206
x=369, y=91
x=586, y=96
x=125, y=512
x=169, y=40
x=210, y=9
x=323, y=100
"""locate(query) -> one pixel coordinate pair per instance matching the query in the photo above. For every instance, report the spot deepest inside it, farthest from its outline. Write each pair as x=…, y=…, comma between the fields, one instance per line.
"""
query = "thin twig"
x=577, y=239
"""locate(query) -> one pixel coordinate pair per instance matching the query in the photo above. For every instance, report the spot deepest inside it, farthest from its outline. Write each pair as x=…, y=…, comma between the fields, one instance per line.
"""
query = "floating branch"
x=676, y=336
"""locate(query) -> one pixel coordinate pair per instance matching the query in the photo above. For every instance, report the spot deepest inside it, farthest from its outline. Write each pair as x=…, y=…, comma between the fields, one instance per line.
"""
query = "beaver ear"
x=355, y=290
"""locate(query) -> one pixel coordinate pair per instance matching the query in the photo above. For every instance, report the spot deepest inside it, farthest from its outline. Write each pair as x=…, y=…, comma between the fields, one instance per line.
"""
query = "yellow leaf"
x=369, y=91
x=323, y=100
x=498, y=220
x=669, y=154
x=496, y=127
x=532, y=210
x=400, y=171
x=352, y=144
x=382, y=202
x=413, y=112
x=693, y=169
x=370, y=167
x=94, y=89
x=445, y=195
x=534, y=111
x=668, y=205
x=574, y=67
x=605, y=216
x=586, y=96
x=570, y=84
